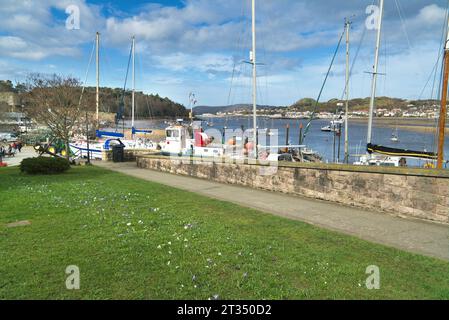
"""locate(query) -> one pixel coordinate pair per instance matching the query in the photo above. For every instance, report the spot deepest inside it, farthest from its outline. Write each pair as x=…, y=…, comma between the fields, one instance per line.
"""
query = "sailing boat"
x=94, y=150
x=380, y=155
x=394, y=136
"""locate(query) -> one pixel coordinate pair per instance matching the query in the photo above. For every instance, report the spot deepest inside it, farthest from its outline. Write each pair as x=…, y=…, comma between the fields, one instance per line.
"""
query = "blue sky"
x=198, y=45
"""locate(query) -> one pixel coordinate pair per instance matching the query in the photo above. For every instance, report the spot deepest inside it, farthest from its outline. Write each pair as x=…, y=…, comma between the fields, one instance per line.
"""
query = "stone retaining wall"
x=406, y=193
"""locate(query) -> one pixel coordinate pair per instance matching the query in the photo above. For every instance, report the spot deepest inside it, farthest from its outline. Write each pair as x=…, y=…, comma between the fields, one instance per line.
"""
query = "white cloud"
x=196, y=43
x=210, y=63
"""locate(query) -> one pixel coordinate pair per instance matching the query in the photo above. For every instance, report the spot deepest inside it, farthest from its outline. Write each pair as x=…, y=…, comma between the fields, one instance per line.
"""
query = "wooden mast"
x=443, y=109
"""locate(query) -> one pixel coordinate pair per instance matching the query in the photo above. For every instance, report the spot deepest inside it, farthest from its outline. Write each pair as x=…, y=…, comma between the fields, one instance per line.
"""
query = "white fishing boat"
x=334, y=125
x=178, y=142
x=328, y=128
x=394, y=136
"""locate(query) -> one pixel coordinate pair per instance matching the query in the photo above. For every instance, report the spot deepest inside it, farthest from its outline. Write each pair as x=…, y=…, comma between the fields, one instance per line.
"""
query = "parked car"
x=8, y=137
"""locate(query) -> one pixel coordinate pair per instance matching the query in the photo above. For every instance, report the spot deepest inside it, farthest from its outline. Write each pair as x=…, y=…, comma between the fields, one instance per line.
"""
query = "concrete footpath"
x=410, y=235
x=27, y=152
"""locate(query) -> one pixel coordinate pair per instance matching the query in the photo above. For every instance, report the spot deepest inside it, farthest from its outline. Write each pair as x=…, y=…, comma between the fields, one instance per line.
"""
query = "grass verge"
x=134, y=239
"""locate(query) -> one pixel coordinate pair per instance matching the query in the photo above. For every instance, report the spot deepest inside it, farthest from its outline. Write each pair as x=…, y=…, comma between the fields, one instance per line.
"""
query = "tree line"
x=147, y=105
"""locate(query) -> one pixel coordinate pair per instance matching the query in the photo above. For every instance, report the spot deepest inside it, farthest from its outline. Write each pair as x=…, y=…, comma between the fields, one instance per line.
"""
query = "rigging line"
x=442, y=42
x=404, y=29
x=307, y=128
x=359, y=47
x=87, y=74
x=264, y=74
x=121, y=110
x=140, y=67
x=442, y=46
x=439, y=88
x=351, y=71
x=239, y=42
x=432, y=75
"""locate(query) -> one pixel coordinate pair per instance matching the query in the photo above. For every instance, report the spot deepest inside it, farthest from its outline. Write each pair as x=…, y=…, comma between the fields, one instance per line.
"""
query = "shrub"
x=44, y=165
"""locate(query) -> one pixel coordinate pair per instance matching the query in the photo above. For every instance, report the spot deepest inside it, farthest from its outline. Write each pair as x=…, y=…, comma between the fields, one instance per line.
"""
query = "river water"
x=323, y=142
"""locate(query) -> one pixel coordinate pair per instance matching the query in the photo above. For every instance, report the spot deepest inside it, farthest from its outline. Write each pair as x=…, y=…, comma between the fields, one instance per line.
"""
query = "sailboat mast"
x=443, y=109
x=254, y=61
x=348, y=27
x=375, y=73
x=97, y=96
x=134, y=82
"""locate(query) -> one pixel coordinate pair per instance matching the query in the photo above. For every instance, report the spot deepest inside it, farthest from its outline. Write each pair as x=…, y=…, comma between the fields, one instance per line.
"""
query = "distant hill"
x=308, y=104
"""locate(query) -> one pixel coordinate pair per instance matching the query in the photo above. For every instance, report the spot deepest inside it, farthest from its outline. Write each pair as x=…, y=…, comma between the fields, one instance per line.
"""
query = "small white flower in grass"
x=128, y=224
x=194, y=278
x=245, y=275
x=159, y=247
x=169, y=243
x=219, y=254
x=168, y=263
x=185, y=240
x=170, y=252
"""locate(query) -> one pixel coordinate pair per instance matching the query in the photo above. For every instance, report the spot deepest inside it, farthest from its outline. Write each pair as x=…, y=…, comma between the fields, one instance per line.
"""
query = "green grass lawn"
x=133, y=239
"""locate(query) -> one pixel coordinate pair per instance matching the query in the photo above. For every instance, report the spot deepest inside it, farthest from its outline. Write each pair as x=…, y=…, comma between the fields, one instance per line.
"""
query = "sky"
x=200, y=46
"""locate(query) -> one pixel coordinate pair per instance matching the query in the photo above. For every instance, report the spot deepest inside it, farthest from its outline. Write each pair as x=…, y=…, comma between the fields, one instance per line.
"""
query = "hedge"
x=44, y=165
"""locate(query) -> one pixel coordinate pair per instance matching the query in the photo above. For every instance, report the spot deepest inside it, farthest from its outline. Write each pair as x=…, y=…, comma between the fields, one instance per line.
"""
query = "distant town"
x=424, y=109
